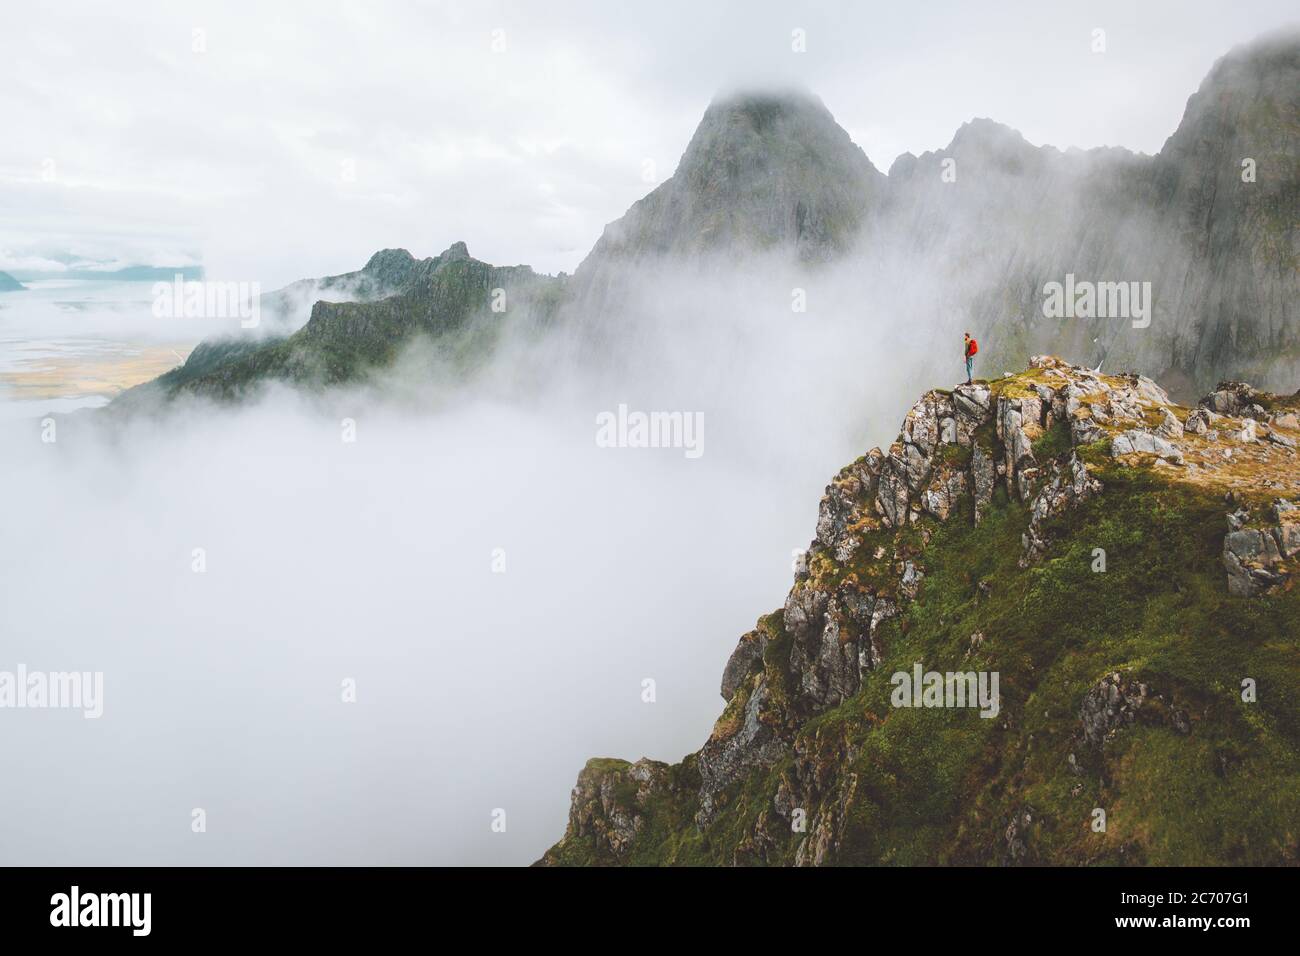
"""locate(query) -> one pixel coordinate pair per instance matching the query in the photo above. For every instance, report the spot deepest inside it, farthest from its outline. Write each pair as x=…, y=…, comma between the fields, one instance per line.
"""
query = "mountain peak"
x=983, y=139
x=389, y=267
x=768, y=127
x=1269, y=52
x=764, y=169
x=1250, y=97
x=762, y=108
x=385, y=256
x=983, y=131
x=456, y=251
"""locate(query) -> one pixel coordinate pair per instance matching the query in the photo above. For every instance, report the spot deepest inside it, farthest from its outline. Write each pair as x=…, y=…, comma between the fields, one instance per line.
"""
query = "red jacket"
x=971, y=347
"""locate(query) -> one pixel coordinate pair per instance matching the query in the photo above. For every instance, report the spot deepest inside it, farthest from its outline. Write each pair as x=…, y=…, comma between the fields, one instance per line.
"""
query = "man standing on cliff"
x=971, y=347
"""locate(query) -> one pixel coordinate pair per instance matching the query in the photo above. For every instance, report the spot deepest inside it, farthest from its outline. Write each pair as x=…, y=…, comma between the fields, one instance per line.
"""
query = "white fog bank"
x=376, y=561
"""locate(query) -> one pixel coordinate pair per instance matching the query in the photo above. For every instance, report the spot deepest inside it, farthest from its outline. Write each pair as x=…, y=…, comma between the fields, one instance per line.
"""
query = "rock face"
x=1110, y=706
x=1052, y=433
x=1067, y=486
x=738, y=747
x=1260, y=558
x=744, y=660
x=1139, y=442
x=1116, y=702
x=1214, y=240
x=1213, y=234
x=1209, y=221
x=9, y=284
x=609, y=800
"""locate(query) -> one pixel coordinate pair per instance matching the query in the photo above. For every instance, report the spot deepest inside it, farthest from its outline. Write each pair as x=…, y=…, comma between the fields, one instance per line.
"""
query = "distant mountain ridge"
x=388, y=303
x=981, y=225
x=124, y=274
x=9, y=284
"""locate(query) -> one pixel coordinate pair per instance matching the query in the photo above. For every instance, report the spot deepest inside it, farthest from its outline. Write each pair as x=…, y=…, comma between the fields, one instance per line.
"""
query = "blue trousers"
x=970, y=364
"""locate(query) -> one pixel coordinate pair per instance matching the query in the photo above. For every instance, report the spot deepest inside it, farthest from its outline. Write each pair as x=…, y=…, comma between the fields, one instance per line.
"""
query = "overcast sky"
x=275, y=141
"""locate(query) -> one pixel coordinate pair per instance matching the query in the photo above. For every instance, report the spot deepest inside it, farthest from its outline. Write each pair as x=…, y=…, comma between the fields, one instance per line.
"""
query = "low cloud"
x=379, y=561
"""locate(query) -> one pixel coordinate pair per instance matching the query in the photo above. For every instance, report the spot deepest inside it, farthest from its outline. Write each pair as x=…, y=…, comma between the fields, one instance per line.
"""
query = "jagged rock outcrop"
x=609, y=801
x=1116, y=702
x=748, y=737
x=797, y=683
x=1110, y=706
x=1258, y=558
x=744, y=661
x=1234, y=398
x=840, y=510
x=1068, y=485
x=1019, y=835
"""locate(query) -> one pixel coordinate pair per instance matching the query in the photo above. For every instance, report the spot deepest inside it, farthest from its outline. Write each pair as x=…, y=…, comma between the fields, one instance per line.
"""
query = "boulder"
x=1231, y=398
x=910, y=583
x=944, y=494
x=1287, y=535
x=948, y=431
x=1170, y=426
x=1199, y=420
x=1251, y=556
x=1110, y=705
x=1285, y=420
x=1136, y=441
x=972, y=401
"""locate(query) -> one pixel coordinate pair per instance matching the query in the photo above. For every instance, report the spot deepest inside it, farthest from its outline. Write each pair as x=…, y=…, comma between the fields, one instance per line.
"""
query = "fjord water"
x=75, y=343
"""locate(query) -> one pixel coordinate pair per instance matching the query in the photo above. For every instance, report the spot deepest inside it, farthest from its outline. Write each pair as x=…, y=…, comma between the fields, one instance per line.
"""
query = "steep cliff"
x=1209, y=223
x=1103, y=583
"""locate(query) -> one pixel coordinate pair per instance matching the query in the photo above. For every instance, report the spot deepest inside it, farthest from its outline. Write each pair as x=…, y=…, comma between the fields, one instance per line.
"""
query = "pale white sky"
x=302, y=137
